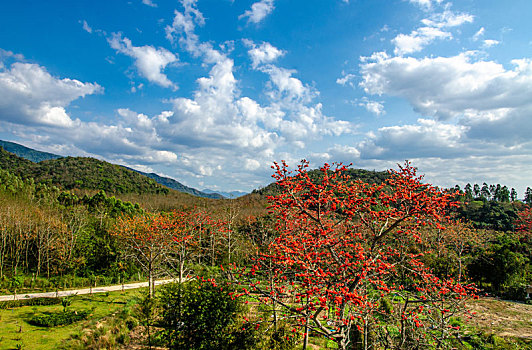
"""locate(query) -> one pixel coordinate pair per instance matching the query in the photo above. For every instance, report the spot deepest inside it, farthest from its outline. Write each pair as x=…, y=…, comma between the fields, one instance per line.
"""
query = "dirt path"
x=65, y=293
x=504, y=318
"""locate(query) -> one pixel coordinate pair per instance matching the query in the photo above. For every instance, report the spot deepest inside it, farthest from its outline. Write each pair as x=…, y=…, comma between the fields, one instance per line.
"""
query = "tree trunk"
x=305, y=339
x=150, y=279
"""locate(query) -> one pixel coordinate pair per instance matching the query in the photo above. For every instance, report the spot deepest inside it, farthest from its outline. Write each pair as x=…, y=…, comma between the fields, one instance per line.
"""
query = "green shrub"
x=281, y=338
x=9, y=304
x=58, y=318
x=202, y=316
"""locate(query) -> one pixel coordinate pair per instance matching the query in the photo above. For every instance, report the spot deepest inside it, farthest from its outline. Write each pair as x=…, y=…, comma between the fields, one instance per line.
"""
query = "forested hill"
x=178, y=186
x=368, y=176
x=27, y=153
x=39, y=156
x=81, y=173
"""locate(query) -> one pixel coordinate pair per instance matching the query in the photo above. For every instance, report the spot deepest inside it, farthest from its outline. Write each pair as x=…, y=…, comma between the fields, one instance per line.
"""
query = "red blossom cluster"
x=343, y=246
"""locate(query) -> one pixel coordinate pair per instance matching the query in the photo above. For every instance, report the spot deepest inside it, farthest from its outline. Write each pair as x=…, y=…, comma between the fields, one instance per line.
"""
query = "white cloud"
x=263, y=53
x=258, y=11
x=489, y=43
x=218, y=117
x=506, y=170
x=482, y=112
x=5, y=54
x=435, y=27
x=479, y=34
x=185, y=22
x=346, y=79
x=150, y=61
x=288, y=87
x=374, y=107
x=86, y=27
x=446, y=87
x=149, y=3
x=31, y=95
x=418, y=39
x=251, y=164
x=424, y=139
x=338, y=153
x=425, y=4
x=216, y=131
x=448, y=19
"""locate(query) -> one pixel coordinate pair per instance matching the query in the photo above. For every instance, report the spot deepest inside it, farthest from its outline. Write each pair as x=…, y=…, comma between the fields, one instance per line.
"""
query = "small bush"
x=58, y=319
x=9, y=304
x=281, y=338
x=131, y=323
x=202, y=316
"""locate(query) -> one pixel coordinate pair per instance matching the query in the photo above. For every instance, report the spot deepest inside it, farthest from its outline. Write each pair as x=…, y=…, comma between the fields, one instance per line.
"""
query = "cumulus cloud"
x=215, y=131
x=338, y=153
x=288, y=87
x=434, y=27
x=220, y=117
x=448, y=19
x=481, y=112
x=259, y=10
x=149, y=3
x=374, y=107
x=446, y=87
x=185, y=23
x=424, y=139
x=505, y=170
x=31, y=95
x=263, y=53
x=489, y=43
x=475, y=112
x=150, y=61
x=425, y=4
x=418, y=39
x=346, y=79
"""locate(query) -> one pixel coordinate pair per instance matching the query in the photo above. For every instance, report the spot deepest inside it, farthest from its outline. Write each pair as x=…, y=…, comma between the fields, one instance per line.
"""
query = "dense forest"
x=358, y=259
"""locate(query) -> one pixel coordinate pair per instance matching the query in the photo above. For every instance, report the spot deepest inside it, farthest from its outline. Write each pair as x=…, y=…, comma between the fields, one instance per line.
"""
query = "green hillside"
x=26, y=152
x=178, y=186
x=50, y=175
x=81, y=173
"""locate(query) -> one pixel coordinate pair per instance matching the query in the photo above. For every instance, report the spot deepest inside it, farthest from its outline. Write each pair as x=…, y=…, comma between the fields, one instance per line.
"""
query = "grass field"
x=498, y=318
x=17, y=333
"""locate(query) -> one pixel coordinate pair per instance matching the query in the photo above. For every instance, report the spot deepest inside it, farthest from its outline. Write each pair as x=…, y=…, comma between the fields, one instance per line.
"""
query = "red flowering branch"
x=344, y=246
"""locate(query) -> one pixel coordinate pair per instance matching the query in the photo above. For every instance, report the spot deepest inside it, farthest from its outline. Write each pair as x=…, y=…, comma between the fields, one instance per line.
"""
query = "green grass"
x=15, y=331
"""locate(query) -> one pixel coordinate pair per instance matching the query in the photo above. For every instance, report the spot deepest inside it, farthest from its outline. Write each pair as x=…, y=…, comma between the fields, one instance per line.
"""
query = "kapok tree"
x=186, y=231
x=523, y=224
x=147, y=240
x=347, y=262
x=454, y=245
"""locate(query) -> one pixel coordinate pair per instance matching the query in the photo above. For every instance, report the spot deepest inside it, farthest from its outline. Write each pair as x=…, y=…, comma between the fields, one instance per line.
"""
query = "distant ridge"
x=83, y=172
x=230, y=195
x=178, y=186
x=26, y=152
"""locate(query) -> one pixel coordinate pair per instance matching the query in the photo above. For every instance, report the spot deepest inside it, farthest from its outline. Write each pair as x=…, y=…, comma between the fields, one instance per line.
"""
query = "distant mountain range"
x=83, y=172
x=230, y=195
x=178, y=186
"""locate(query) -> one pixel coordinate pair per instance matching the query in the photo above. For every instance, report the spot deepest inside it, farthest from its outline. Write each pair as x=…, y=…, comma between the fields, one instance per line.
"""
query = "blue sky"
x=211, y=92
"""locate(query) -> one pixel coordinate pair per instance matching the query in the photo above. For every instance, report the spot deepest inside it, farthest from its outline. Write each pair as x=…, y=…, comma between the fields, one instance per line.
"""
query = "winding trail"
x=65, y=293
